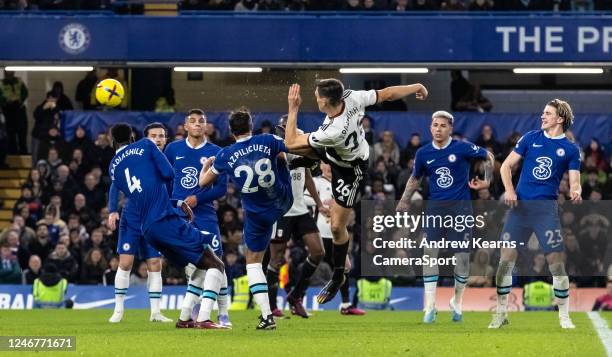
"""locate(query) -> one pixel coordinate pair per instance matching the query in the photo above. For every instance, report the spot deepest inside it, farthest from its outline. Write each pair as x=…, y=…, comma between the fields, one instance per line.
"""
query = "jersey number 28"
x=265, y=177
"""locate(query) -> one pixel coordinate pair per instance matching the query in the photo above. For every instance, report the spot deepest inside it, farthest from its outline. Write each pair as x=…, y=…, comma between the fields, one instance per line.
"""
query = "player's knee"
x=338, y=230
x=154, y=265
x=315, y=257
x=557, y=269
x=125, y=265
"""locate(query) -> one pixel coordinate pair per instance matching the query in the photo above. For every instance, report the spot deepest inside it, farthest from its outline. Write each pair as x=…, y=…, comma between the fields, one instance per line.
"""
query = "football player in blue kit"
x=546, y=154
x=256, y=165
x=446, y=162
x=187, y=157
x=140, y=170
x=131, y=242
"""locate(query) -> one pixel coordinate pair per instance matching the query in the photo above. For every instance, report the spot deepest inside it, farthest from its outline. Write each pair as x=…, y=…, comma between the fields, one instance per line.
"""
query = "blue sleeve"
x=277, y=144
x=211, y=193
x=418, y=170
x=162, y=164
x=522, y=144
x=113, y=198
x=473, y=151
x=218, y=166
x=574, y=162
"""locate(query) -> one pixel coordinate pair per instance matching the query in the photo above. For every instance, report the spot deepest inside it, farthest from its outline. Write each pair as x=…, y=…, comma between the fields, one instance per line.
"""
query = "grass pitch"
x=324, y=334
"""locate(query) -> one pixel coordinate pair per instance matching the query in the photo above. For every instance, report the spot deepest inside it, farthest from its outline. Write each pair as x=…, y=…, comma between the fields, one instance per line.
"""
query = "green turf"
x=325, y=334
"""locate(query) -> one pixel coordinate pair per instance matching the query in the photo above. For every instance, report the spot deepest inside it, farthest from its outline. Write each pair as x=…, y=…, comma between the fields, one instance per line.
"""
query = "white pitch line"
x=604, y=332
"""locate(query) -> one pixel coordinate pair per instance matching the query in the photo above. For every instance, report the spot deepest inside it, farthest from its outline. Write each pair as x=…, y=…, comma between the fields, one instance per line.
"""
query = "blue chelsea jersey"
x=545, y=160
x=187, y=162
x=448, y=168
x=140, y=171
x=252, y=163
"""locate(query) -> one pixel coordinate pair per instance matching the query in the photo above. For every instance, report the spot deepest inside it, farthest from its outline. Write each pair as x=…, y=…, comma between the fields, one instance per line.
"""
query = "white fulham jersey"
x=342, y=136
x=298, y=180
x=324, y=188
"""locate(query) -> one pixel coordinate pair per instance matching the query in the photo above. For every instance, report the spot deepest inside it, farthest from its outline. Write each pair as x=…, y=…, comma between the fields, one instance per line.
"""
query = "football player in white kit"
x=340, y=141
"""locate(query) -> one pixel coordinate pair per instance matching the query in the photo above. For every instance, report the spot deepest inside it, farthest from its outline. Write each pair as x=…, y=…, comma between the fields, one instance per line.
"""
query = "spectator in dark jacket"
x=41, y=246
x=94, y=267
x=10, y=272
x=94, y=195
x=46, y=116
x=65, y=262
x=33, y=271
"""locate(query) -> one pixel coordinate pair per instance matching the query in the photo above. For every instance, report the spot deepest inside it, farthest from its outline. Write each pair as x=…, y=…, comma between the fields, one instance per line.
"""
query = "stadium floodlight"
x=370, y=70
x=559, y=70
x=219, y=69
x=49, y=68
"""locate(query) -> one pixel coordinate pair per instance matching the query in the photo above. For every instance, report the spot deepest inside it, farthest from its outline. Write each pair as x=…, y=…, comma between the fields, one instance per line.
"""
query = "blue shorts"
x=258, y=229
x=132, y=242
x=178, y=240
x=212, y=233
x=539, y=217
x=458, y=231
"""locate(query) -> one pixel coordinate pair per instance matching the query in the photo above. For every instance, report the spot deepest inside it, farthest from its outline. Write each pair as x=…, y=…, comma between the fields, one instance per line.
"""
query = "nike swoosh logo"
x=94, y=304
x=179, y=157
x=430, y=161
x=395, y=301
x=537, y=146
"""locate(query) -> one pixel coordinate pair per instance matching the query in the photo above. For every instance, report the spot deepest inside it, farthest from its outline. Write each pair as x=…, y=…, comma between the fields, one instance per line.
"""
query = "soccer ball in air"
x=109, y=92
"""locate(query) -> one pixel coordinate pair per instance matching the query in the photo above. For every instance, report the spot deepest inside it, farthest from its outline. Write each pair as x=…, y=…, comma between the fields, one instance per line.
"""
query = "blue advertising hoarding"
x=308, y=38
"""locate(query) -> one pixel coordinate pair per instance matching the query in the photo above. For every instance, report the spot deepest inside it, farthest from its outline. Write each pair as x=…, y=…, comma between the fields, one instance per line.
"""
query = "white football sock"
x=154, y=283
x=223, y=299
x=122, y=283
x=212, y=284
x=430, y=283
x=560, y=287
x=194, y=290
x=259, y=288
x=503, y=280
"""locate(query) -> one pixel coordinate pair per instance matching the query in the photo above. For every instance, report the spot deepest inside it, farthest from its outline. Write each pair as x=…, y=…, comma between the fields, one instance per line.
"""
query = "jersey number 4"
x=132, y=181
x=265, y=177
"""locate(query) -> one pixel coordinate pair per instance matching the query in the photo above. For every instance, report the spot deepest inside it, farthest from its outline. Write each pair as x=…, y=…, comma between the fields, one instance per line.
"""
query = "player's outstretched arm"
x=295, y=142
x=489, y=164
x=399, y=92
x=411, y=186
x=575, y=187
x=207, y=174
x=507, y=166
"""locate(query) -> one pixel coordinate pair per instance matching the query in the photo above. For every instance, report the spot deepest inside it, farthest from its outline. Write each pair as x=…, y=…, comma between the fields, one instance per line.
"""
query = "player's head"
x=121, y=134
x=158, y=133
x=441, y=126
x=195, y=123
x=280, y=127
x=240, y=122
x=557, y=112
x=328, y=93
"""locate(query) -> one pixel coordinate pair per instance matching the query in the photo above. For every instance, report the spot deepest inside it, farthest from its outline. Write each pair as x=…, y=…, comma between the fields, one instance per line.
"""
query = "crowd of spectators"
x=320, y=5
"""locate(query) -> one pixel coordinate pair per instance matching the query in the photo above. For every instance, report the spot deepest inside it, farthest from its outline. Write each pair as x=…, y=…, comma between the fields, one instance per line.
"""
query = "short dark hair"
x=331, y=89
x=240, y=121
x=121, y=133
x=195, y=111
x=155, y=125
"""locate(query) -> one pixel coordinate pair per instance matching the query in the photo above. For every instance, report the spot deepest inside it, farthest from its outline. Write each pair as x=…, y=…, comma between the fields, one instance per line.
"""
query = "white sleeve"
x=310, y=202
x=365, y=97
x=325, y=136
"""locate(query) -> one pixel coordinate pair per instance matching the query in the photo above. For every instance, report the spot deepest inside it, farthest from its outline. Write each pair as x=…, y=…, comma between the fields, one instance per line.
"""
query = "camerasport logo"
x=74, y=38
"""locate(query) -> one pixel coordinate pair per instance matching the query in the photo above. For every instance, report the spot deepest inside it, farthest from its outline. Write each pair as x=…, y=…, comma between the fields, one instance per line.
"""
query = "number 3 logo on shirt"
x=543, y=171
x=446, y=179
x=190, y=180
